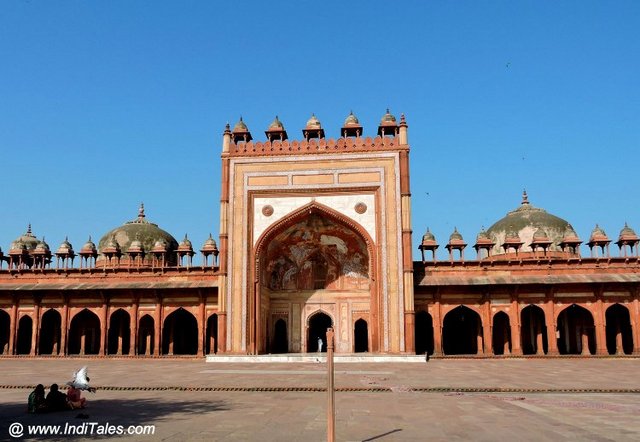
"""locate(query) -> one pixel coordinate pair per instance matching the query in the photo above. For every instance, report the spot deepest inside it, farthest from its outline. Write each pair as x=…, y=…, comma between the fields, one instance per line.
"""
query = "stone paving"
x=456, y=399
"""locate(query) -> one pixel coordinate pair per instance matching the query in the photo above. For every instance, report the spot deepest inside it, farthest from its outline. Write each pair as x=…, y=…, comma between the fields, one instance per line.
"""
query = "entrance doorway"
x=280, y=340
x=25, y=330
x=462, y=332
x=361, y=336
x=533, y=331
x=318, y=325
x=50, y=333
x=577, y=334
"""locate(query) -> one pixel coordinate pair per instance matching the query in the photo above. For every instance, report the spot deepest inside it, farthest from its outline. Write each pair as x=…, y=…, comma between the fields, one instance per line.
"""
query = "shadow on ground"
x=124, y=412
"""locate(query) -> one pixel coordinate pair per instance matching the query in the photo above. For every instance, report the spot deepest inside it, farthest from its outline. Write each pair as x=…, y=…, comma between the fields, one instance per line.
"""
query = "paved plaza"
x=440, y=400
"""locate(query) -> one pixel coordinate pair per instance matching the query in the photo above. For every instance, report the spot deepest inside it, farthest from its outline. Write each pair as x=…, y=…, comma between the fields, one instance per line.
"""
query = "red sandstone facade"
x=317, y=233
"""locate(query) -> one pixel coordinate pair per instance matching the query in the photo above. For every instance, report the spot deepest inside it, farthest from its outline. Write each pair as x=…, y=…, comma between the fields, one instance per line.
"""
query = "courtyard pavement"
x=440, y=400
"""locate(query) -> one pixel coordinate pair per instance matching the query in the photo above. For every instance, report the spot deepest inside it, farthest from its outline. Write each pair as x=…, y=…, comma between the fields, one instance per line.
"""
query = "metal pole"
x=331, y=406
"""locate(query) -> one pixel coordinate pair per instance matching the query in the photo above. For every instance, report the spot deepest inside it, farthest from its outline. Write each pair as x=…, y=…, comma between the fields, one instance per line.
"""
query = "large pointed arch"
x=256, y=324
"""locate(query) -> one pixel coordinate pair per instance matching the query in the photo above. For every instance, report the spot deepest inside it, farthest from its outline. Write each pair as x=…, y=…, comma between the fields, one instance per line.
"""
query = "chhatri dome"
x=526, y=222
x=28, y=240
x=142, y=233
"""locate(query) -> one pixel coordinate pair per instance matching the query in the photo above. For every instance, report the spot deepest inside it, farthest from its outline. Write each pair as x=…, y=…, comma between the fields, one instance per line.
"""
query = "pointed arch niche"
x=313, y=257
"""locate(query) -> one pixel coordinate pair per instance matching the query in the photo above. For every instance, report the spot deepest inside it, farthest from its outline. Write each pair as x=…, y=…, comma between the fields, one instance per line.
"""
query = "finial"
x=29, y=229
x=89, y=238
x=403, y=121
x=141, y=211
x=525, y=198
x=388, y=110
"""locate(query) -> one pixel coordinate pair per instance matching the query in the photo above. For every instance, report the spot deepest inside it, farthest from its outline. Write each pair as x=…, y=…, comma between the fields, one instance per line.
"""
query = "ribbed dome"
x=388, y=118
x=140, y=229
x=89, y=246
x=627, y=232
x=42, y=246
x=351, y=120
x=28, y=240
x=240, y=126
x=65, y=247
x=276, y=124
x=210, y=242
x=455, y=236
x=598, y=234
x=313, y=122
x=428, y=236
x=524, y=222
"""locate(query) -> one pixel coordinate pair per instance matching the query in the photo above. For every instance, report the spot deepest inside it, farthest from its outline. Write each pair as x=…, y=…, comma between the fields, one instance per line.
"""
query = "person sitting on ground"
x=37, y=402
x=56, y=400
x=74, y=397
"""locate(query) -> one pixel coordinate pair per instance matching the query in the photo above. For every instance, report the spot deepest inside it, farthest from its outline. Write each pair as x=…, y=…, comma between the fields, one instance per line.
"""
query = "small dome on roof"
x=29, y=240
x=276, y=124
x=210, y=241
x=42, y=246
x=313, y=122
x=598, y=234
x=240, y=126
x=388, y=118
x=569, y=233
x=111, y=243
x=351, y=120
x=483, y=235
x=159, y=246
x=627, y=232
x=65, y=247
x=428, y=236
x=185, y=243
x=136, y=246
x=540, y=234
x=455, y=236
x=89, y=246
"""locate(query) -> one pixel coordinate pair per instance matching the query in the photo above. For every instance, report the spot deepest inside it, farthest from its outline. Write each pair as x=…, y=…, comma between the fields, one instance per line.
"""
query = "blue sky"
x=107, y=104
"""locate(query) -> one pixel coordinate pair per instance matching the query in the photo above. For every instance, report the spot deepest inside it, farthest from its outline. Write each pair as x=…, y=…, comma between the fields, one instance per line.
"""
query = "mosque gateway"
x=316, y=232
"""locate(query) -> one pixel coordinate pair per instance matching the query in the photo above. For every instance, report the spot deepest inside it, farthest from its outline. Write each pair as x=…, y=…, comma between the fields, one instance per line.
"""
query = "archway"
x=619, y=334
x=25, y=331
x=146, y=332
x=50, y=333
x=280, y=337
x=424, y=333
x=84, y=334
x=532, y=331
x=212, y=334
x=360, y=336
x=577, y=334
x=318, y=325
x=119, y=332
x=180, y=334
x=462, y=332
x=312, y=251
x=501, y=334
x=5, y=332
